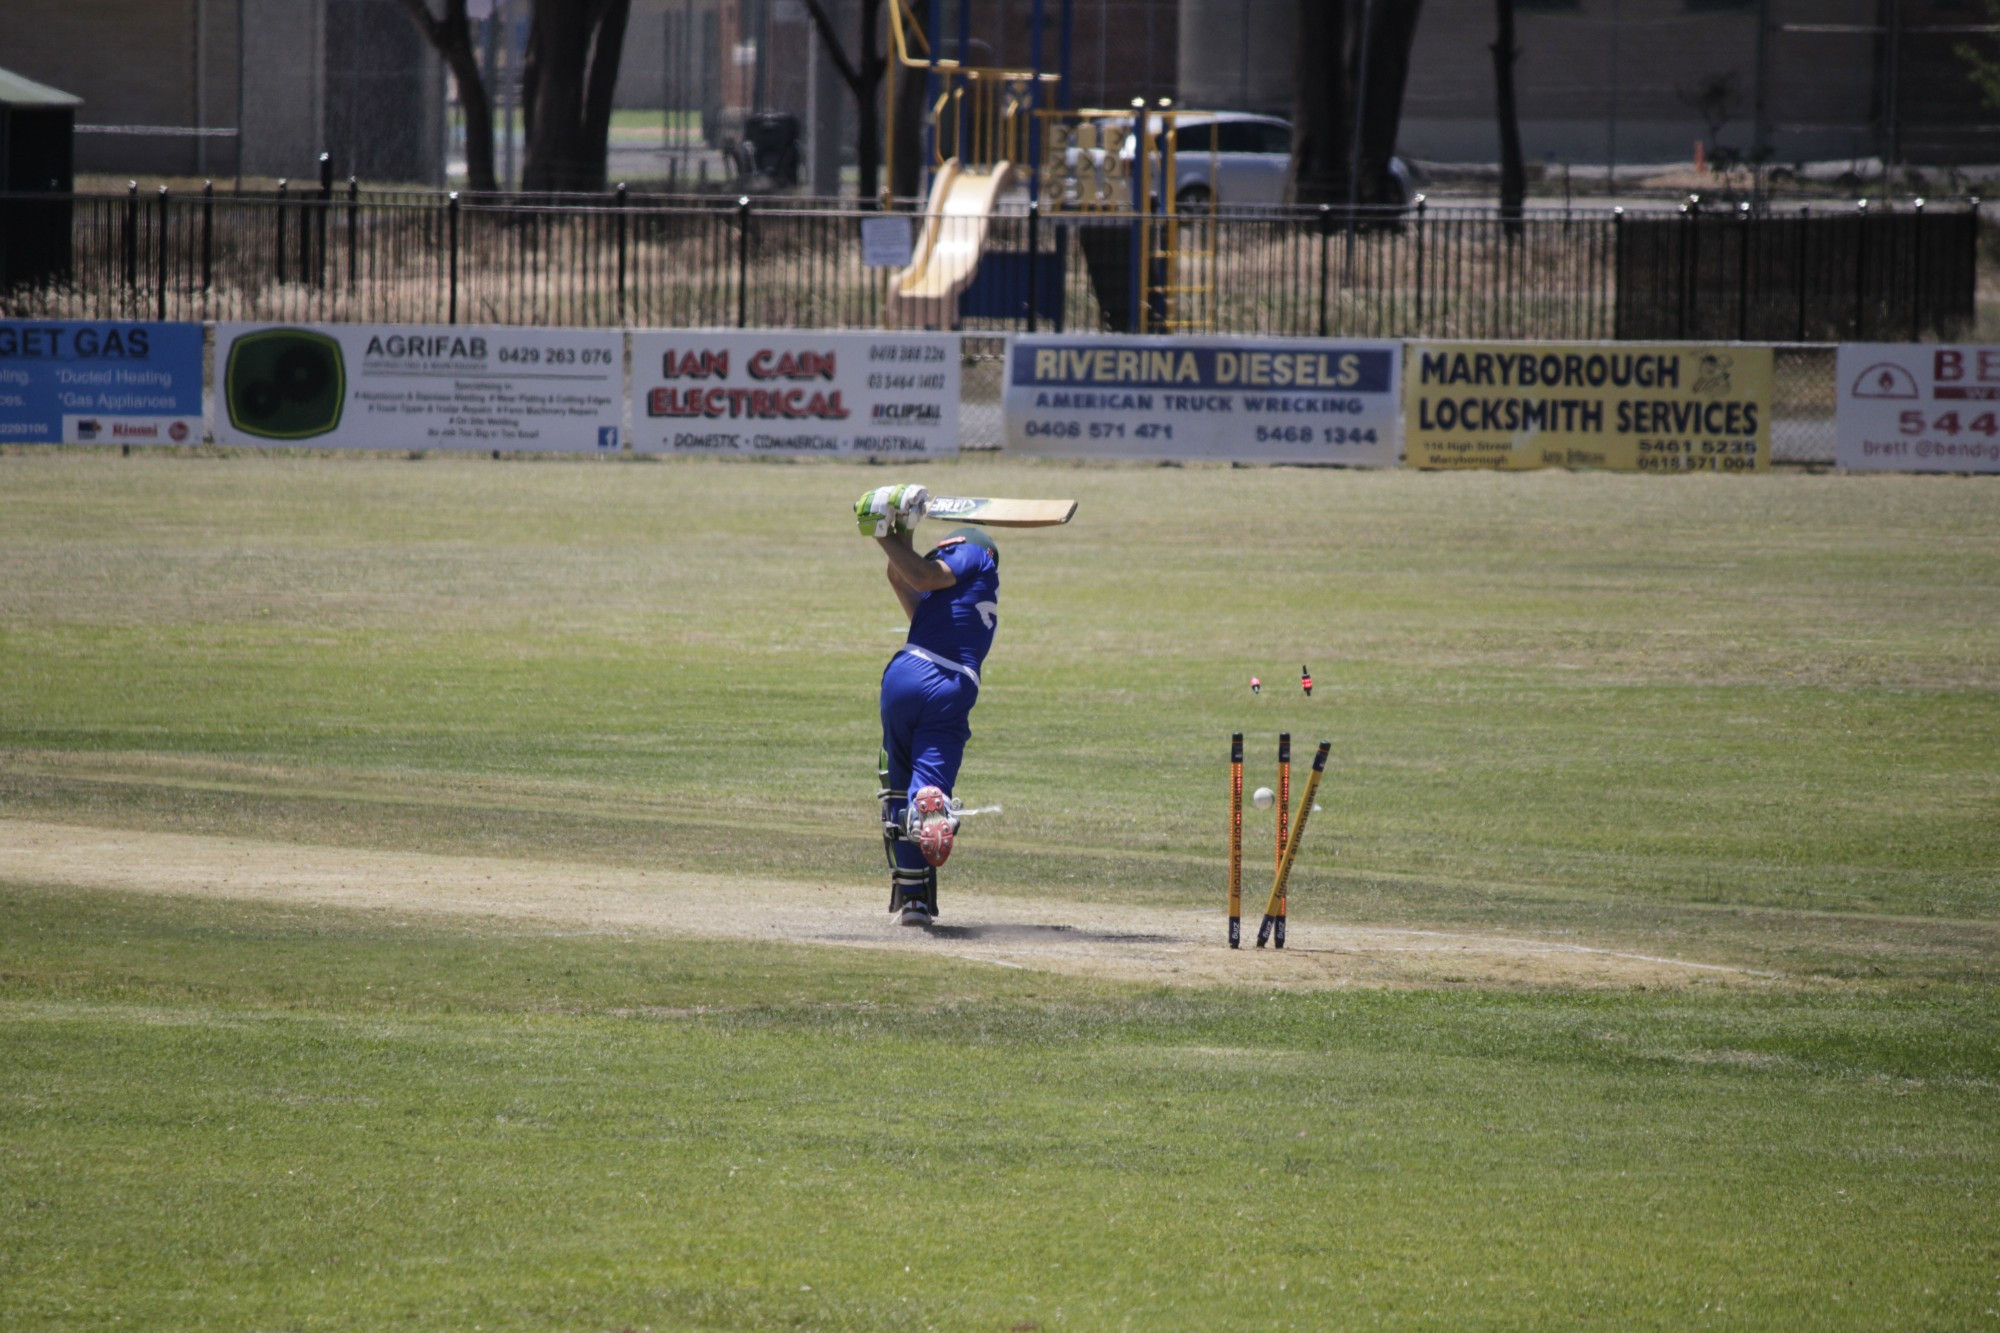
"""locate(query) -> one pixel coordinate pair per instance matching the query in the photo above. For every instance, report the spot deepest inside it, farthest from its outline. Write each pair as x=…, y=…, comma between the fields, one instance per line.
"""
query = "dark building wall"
x=384, y=94
x=350, y=76
x=162, y=63
x=1624, y=76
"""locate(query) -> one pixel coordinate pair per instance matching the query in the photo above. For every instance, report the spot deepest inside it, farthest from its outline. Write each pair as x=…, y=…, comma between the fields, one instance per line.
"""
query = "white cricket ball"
x=1263, y=797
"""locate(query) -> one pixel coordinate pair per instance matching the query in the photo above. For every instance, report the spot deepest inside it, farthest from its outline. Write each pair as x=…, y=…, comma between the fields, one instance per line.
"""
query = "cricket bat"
x=994, y=511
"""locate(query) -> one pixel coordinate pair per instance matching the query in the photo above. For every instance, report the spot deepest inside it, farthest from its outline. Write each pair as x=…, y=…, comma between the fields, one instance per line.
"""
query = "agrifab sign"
x=1636, y=407
x=89, y=382
x=1912, y=408
x=1292, y=400
x=379, y=386
x=828, y=394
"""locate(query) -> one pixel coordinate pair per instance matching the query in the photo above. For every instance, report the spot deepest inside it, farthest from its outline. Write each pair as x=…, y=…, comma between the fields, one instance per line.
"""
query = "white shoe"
x=932, y=824
x=916, y=914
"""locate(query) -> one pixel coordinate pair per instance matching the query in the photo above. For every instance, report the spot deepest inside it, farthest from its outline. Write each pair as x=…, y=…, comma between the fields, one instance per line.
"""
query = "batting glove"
x=874, y=513
x=888, y=510
x=912, y=503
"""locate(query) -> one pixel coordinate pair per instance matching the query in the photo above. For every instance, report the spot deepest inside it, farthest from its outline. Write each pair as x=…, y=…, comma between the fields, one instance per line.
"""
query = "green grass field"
x=1752, y=723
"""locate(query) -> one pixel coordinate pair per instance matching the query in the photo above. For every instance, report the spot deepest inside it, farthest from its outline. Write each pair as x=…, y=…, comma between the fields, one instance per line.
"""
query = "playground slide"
x=925, y=295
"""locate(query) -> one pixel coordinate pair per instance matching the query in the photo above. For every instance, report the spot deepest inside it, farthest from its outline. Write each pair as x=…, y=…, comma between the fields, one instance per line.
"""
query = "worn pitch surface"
x=1054, y=933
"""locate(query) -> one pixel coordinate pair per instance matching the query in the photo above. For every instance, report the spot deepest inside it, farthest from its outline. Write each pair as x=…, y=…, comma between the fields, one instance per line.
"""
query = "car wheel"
x=1193, y=199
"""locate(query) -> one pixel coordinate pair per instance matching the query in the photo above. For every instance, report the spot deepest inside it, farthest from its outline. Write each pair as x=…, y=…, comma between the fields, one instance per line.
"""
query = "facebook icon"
x=607, y=437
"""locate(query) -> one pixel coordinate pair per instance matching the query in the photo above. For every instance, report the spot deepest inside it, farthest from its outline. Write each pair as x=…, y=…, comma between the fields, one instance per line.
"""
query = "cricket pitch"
x=1162, y=946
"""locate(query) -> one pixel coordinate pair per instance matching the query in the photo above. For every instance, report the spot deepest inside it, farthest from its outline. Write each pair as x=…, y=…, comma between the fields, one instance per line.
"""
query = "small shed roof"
x=19, y=92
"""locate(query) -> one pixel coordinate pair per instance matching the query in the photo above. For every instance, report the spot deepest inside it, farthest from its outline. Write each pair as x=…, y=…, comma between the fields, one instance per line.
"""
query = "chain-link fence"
x=1803, y=391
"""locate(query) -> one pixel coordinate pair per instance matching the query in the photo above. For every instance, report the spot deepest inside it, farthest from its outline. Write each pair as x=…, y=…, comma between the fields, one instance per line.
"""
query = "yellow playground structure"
x=1000, y=144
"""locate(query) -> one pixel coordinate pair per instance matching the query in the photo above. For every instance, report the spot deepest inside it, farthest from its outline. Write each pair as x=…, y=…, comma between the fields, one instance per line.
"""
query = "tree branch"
x=824, y=23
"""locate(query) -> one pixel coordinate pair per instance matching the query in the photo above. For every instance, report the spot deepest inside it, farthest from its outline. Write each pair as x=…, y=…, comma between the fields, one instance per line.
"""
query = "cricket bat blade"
x=1000, y=512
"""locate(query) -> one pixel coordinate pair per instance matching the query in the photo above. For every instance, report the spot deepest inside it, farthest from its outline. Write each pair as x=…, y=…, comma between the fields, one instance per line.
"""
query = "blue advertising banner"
x=1272, y=400
x=91, y=382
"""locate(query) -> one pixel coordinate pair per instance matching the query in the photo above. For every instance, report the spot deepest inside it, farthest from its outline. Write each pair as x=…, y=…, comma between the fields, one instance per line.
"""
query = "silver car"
x=1237, y=158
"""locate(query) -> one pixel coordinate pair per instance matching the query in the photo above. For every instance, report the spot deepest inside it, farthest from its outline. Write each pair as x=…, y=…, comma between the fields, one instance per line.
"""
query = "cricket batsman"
x=951, y=594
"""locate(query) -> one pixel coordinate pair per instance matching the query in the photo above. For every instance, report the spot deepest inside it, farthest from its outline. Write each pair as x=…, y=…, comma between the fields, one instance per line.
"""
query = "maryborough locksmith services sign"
x=1629, y=406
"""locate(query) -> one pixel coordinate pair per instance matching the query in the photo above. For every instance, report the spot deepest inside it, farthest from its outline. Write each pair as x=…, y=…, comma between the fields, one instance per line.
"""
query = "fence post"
x=160, y=261
x=1743, y=274
x=320, y=217
x=1861, y=270
x=1805, y=238
x=1917, y=278
x=743, y=261
x=353, y=230
x=1617, y=274
x=1034, y=271
x=451, y=212
x=281, y=231
x=621, y=252
x=131, y=238
x=1418, y=327
x=1325, y=248
x=207, y=240
x=1681, y=279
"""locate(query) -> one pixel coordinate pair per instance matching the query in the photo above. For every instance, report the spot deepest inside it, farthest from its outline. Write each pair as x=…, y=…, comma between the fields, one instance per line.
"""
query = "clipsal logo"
x=87, y=429
x=178, y=431
x=126, y=430
x=926, y=413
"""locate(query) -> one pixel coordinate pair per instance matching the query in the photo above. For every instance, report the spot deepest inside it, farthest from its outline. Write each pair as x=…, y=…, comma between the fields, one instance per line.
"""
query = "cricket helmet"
x=971, y=537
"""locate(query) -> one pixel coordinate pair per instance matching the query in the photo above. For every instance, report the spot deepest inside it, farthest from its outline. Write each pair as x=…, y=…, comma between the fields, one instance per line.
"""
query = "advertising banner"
x=1913, y=408
x=1270, y=400
x=92, y=382
x=1634, y=407
x=380, y=386
x=704, y=391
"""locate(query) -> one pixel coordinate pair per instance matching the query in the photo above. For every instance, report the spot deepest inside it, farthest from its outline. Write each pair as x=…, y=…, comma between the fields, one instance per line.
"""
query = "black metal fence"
x=1826, y=277
x=334, y=254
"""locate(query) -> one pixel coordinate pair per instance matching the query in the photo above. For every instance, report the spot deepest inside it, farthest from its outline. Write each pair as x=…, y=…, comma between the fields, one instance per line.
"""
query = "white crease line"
x=997, y=962
x=1555, y=946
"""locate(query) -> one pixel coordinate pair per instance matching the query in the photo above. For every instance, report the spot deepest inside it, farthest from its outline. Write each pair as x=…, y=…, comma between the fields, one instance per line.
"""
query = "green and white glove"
x=888, y=510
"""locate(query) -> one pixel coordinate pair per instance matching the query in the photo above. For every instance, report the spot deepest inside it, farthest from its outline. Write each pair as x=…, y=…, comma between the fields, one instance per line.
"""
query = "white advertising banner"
x=769, y=392
x=380, y=386
x=1909, y=407
x=1271, y=400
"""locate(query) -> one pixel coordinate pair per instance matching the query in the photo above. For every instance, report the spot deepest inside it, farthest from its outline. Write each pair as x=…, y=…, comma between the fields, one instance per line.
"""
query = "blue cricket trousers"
x=925, y=711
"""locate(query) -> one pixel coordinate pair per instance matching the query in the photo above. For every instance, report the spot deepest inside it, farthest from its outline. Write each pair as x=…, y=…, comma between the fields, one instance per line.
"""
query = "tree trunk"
x=1391, y=35
x=906, y=155
x=1513, y=173
x=451, y=37
x=567, y=77
x=1320, y=104
x=606, y=52
x=862, y=73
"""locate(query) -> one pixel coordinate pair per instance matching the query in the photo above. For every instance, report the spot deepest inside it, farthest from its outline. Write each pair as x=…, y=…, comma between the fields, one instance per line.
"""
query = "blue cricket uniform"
x=931, y=684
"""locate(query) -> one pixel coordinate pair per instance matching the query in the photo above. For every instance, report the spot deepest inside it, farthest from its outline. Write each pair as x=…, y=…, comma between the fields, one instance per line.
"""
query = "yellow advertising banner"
x=1635, y=407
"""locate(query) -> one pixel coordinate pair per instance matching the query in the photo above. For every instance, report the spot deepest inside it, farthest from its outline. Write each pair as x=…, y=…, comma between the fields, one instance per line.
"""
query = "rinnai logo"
x=909, y=413
x=127, y=430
